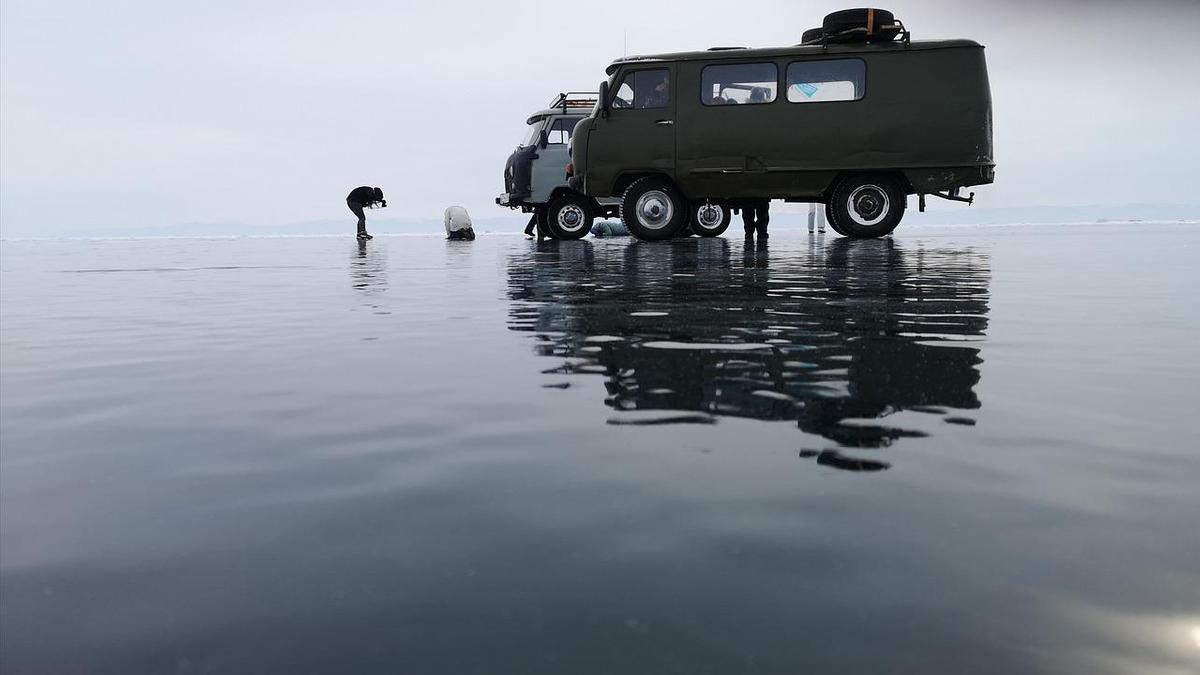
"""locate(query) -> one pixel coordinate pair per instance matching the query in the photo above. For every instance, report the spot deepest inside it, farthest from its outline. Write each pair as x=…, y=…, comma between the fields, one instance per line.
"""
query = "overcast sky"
x=135, y=114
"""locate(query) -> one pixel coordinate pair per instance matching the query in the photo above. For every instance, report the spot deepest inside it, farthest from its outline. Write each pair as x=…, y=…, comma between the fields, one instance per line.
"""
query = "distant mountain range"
x=319, y=227
x=780, y=218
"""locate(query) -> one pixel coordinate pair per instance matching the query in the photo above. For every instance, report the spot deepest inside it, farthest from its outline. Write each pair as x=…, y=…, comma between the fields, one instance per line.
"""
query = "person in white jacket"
x=458, y=224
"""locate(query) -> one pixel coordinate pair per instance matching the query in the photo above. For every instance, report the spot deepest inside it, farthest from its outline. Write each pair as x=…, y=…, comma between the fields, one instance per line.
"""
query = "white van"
x=535, y=176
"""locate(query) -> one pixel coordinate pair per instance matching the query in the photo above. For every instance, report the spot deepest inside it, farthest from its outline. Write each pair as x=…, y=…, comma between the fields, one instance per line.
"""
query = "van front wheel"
x=653, y=209
x=710, y=219
x=866, y=206
x=569, y=216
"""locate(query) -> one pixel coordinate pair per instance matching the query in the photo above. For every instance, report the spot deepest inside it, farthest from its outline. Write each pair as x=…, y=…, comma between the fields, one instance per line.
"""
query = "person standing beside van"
x=756, y=216
x=816, y=216
x=364, y=197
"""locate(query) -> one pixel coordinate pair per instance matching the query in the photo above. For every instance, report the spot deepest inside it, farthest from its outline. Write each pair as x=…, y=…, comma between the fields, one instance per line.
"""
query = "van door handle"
x=663, y=123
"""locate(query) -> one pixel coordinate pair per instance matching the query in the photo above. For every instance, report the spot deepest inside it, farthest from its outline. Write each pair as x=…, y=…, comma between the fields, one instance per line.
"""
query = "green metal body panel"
x=925, y=115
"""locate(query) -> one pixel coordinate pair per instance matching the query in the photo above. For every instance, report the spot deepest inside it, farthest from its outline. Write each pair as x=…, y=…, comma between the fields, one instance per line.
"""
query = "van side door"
x=638, y=135
x=729, y=126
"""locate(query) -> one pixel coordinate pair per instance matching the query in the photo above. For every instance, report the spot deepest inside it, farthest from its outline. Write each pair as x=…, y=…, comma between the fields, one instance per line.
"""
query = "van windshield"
x=531, y=135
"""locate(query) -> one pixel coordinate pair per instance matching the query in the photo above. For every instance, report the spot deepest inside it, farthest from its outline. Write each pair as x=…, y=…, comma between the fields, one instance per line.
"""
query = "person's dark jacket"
x=365, y=195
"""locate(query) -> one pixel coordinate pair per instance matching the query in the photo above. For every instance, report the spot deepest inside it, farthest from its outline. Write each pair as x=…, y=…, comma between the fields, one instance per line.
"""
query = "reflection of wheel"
x=868, y=205
x=569, y=216
x=709, y=219
x=653, y=209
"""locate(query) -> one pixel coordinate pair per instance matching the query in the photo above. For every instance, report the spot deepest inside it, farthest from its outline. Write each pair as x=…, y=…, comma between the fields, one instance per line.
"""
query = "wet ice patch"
x=707, y=346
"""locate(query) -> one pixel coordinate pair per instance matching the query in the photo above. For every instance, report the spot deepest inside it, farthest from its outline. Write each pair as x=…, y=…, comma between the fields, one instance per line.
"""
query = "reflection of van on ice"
x=535, y=178
x=855, y=119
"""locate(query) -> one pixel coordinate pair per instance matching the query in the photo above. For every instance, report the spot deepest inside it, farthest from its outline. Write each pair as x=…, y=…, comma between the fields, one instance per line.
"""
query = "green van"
x=858, y=126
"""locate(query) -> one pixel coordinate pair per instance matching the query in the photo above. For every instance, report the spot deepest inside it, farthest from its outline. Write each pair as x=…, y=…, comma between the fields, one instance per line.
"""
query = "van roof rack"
x=575, y=99
x=724, y=49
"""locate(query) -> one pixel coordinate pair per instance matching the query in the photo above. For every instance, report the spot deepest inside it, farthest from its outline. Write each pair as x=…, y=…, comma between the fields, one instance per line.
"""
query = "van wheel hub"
x=654, y=209
x=868, y=204
x=709, y=215
x=570, y=217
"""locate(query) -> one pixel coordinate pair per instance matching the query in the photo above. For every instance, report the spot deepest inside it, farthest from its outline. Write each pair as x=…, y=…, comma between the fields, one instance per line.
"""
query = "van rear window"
x=817, y=81
x=739, y=83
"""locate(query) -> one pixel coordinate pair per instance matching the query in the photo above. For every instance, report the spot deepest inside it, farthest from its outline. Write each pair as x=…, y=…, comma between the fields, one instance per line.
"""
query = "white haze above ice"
x=140, y=114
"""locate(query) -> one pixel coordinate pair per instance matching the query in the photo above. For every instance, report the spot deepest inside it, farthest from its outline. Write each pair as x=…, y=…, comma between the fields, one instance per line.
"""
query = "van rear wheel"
x=865, y=206
x=831, y=218
x=710, y=219
x=569, y=216
x=653, y=209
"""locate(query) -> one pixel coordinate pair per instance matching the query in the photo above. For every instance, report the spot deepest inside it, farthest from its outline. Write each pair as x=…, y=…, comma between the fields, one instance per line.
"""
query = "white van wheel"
x=653, y=209
x=569, y=216
x=710, y=219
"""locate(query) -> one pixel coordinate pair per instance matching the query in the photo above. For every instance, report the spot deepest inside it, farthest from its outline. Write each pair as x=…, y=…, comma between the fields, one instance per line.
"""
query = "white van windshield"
x=531, y=134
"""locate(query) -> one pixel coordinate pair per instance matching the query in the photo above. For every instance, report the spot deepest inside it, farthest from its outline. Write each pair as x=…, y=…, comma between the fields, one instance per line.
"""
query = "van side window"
x=644, y=89
x=739, y=83
x=816, y=81
x=561, y=130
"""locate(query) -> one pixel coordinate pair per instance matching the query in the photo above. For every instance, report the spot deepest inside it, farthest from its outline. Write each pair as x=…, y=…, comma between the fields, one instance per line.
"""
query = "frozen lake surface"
x=956, y=451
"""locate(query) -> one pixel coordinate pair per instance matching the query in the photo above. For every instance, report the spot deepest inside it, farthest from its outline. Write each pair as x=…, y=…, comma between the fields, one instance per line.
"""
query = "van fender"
x=624, y=180
x=900, y=176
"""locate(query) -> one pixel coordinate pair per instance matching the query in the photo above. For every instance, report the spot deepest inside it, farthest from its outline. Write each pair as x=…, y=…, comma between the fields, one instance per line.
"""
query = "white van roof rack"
x=576, y=100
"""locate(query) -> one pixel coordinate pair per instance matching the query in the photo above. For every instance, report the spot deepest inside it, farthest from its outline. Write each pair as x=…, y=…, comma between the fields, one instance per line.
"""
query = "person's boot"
x=362, y=235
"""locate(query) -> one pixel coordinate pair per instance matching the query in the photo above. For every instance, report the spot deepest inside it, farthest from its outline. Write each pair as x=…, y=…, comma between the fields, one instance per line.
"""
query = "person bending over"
x=364, y=197
x=458, y=224
x=755, y=217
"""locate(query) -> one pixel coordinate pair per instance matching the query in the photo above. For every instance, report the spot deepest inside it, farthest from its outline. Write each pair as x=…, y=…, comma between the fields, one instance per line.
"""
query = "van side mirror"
x=604, y=98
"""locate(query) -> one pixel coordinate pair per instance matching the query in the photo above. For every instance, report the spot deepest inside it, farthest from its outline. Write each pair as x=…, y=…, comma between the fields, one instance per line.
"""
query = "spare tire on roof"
x=866, y=22
x=812, y=36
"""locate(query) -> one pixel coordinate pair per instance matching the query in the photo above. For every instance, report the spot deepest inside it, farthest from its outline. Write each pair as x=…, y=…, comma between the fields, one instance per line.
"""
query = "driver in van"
x=660, y=95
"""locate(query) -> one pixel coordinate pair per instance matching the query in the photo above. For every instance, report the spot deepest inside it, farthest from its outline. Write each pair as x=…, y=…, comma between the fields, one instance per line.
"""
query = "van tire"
x=851, y=19
x=569, y=216
x=866, y=205
x=664, y=212
x=831, y=219
x=812, y=36
x=718, y=220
